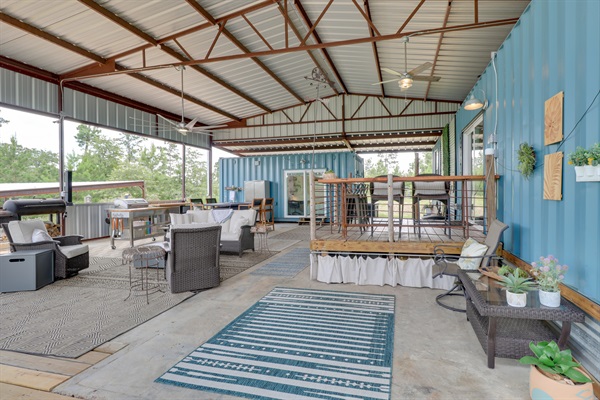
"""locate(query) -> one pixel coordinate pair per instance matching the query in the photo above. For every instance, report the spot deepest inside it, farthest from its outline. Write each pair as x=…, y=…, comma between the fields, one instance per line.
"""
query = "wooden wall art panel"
x=553, y=119
x=553, y=176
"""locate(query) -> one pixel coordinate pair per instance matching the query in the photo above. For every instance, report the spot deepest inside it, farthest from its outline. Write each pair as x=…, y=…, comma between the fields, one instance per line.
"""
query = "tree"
x=130, y=142
x=20, y=164
x=425, y=164
x=86, y=136
x=386, y=164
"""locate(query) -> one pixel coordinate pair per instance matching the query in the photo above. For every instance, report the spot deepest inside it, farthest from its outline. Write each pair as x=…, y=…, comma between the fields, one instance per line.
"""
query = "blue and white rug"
x=286, y=265
x=298, y=344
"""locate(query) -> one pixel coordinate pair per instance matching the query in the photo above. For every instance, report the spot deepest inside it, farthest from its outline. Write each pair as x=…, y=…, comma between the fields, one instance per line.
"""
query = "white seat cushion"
x=22, y=231
x=230, y=237
x=430, y=188
x=238, y=220
x=199, y=216
x=471, y=248
x=74, y=250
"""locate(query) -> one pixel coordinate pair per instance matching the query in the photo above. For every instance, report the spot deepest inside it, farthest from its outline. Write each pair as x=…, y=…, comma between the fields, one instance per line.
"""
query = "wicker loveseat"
x=235, y=234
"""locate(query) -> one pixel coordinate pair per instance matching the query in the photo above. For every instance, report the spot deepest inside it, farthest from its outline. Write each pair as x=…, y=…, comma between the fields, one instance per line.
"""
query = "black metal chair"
x=447, y=264
x=379, y=191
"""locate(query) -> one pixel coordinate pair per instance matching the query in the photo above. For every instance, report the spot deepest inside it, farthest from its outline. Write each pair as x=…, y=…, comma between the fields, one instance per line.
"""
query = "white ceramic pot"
x=550, y=299
x=516, y=299
x=597, y=171
x=589, y=170
x=579, y=172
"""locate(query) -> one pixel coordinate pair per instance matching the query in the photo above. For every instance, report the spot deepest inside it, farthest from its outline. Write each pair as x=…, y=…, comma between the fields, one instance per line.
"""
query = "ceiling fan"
x=408, y=77
x=184, y=128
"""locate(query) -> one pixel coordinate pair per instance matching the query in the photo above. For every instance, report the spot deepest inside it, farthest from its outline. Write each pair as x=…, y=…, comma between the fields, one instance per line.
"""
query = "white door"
x=472, y=164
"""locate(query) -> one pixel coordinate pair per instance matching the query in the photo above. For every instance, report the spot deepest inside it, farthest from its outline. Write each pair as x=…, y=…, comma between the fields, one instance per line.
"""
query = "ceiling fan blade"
x=168, y=120
x=209, y=127
x=426, y=78
x=380, y=83
x=391, y=71
x=191, y=124
x=421, y=68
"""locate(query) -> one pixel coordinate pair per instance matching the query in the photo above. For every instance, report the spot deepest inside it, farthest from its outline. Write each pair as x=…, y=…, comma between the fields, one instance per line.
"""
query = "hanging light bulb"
x=405, y=82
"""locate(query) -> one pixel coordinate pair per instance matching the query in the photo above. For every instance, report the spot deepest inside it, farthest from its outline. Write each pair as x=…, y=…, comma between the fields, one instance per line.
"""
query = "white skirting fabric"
x=362, y=270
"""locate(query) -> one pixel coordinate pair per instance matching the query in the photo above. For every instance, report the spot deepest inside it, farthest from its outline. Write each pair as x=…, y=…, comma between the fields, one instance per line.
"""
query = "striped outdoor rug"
x=298, y=344
x=286, y=265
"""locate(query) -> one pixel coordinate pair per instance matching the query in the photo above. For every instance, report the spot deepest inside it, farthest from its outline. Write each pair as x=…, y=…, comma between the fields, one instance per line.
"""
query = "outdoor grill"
x=35, y=207
x=131, y=203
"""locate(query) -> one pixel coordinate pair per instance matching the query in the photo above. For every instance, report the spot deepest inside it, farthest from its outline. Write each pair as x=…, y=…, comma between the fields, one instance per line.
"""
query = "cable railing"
x=391, y=208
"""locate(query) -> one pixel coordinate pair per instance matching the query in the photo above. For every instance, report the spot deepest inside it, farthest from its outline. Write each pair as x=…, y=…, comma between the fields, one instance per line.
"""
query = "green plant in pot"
x=554, y=374
x=579, y=157
x=329, y=174
x=526, y=158
x=517, y=287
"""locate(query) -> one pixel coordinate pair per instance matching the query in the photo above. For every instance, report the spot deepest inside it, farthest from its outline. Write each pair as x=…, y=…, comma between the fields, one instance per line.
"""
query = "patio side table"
x=148, y=258
x=506, y=331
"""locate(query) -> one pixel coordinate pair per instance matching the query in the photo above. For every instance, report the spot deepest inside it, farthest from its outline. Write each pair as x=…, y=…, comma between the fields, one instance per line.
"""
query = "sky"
x=40, y=132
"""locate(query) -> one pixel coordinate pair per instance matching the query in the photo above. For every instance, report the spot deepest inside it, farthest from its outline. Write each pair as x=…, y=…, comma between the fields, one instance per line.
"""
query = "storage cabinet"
x=26, y=270
x=256, y=190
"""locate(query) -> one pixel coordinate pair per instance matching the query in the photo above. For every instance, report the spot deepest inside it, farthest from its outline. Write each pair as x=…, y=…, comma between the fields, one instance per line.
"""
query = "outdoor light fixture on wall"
x=474, y=103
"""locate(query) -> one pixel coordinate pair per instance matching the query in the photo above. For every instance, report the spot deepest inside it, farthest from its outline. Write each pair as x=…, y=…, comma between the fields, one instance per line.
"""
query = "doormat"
x=298, y=343
x=286, y=265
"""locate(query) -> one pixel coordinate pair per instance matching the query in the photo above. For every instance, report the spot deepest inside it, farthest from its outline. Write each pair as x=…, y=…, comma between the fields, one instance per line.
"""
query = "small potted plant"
x=549, y=274
x=517, y=287
x=526, y=158
x=329, y=174
x=578, y=159
x=555, y=375
x=592, y=169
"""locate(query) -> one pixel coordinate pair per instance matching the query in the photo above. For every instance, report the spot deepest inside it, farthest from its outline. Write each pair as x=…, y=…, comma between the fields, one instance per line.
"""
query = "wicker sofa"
x=235, y=229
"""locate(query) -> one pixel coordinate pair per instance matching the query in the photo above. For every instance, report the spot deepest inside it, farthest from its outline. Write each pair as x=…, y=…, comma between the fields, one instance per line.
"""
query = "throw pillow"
x=471, y=248
x=180, y=219
x=39, y=235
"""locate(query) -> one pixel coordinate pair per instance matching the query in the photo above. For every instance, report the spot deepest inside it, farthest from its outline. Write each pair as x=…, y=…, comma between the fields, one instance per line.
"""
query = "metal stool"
x=148, y=257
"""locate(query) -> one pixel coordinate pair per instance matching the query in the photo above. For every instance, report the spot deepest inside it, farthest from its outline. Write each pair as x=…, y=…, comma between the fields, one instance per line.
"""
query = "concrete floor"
x=436, y=352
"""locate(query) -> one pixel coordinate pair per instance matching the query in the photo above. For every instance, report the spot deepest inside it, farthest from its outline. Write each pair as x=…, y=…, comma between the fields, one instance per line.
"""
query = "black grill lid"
x=35, y=206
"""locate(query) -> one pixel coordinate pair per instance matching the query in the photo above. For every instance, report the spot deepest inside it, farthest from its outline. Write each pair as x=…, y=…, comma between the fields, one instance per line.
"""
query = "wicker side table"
x=148, y=258
x=506, y=331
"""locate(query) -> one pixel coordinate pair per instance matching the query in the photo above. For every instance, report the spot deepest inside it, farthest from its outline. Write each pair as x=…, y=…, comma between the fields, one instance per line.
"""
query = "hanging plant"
x=526, y=157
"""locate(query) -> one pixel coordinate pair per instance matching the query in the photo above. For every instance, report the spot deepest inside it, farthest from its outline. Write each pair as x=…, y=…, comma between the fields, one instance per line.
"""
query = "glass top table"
x=506, y=331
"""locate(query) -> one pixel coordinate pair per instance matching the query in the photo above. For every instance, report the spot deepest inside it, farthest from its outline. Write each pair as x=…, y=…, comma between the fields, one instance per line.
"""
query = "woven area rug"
x=287, y=265
x=302, y=232
x=298, y=344
x=73, y=316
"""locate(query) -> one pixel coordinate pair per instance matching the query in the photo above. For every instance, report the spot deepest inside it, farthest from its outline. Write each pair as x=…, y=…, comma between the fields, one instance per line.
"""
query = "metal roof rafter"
x=198, y=8
x=374, y=46
x=439, y=46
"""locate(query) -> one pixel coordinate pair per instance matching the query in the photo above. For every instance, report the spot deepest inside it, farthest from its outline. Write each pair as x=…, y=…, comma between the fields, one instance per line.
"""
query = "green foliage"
x=515, y=283
x=507, y=269
x=20, y=164
x=579, y=157
x=594, y=155
x=549, y=358
x=526, y=158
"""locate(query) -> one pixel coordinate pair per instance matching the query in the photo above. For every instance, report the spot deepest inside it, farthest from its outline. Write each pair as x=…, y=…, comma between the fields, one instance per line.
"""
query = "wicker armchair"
x=70, y=255
x=447, y=265
x=193, y=260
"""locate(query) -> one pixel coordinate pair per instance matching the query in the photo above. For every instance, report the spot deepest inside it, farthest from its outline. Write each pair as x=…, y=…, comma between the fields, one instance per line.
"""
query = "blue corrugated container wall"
x=235, y=171
x=554, y=47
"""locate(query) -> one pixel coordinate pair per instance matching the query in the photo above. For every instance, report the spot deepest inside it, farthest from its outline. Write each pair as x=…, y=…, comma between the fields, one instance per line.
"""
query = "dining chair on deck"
x=267, y=213
x=431, y=190
x=379, y=192
x=449, y=265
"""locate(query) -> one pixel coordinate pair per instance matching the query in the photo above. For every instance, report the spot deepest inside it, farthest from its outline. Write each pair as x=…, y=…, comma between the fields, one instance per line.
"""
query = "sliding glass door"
x=297, y=193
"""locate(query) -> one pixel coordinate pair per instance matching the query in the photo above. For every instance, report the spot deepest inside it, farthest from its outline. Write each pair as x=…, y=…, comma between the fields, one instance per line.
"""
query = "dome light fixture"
x=475, y=104
x=406, y=81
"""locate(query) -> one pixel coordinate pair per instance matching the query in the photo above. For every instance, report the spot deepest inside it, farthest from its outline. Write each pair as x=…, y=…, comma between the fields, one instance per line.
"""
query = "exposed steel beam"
x=251, y=25
x=367, y=18
x=317, y=39
x=289, y=23
x=187, y=97
x=476, y=11
x=50, y=38
x=143, y=35
x=348, y=42
x=374, y=45
x=319, y=18
x=270, y=142
x=214, y=42
x=244, y=49
x=410, y=17
x=359, y=106
x=439, y=46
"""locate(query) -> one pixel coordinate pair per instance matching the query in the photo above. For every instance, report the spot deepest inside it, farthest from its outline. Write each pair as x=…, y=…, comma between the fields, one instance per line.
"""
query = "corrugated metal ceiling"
x=86, y=33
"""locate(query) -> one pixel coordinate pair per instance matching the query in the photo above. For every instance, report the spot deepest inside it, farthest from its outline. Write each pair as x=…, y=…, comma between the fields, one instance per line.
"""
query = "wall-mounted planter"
x=587, y=173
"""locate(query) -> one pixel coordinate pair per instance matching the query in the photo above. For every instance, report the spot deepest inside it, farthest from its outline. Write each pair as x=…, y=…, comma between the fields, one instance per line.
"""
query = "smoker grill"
x=35, y=207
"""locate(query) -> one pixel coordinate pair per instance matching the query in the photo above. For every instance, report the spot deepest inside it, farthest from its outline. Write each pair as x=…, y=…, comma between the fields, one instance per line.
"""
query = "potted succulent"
x=578, y=159
x=593, y=161
x=517, y=287
x=526, y=158
x=555, y=375
x=549, y=274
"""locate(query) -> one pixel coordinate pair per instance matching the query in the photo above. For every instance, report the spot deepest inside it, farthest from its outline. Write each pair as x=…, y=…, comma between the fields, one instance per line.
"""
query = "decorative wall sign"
x=553, y=176
x=553, y=119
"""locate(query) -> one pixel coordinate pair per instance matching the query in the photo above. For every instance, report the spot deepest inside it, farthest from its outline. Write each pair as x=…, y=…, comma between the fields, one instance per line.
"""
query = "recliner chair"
x=70, y=255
